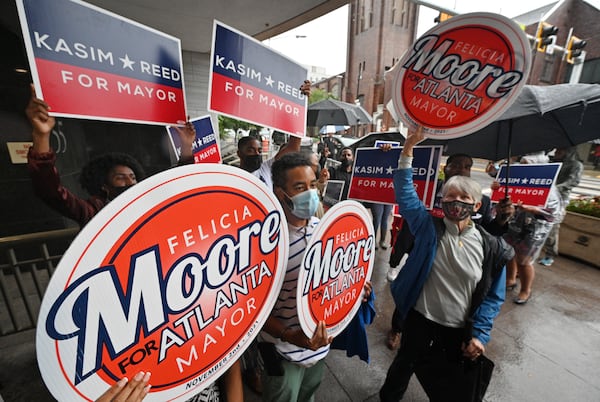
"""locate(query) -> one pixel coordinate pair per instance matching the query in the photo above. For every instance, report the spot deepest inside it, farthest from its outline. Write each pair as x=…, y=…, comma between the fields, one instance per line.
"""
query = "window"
x=547, y=69
x=361, y=7
x=404, y=12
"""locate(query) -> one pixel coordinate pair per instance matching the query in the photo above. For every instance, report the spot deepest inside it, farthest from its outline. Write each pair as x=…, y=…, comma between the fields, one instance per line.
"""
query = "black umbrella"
x=541, y=118
x=334, y=112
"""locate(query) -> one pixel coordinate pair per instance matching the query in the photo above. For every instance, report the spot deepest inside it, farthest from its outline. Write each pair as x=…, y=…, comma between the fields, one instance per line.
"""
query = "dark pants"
x=403, y=244
x=433, y=352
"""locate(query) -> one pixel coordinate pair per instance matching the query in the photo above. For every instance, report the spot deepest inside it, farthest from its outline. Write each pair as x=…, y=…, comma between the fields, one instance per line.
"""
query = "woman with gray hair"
x=449, y=291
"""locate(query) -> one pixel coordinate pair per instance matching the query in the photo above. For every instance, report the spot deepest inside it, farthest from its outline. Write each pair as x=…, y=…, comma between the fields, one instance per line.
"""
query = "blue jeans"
x=381, y=217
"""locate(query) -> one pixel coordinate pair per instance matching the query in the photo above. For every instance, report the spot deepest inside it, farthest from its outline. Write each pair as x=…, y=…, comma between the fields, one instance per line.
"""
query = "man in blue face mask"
x=295, y=369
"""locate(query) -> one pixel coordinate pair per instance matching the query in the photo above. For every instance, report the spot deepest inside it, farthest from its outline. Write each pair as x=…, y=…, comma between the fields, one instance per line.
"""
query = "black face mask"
x=114, y=192
x=346, y=163
x=457, y=210
x=252, y=162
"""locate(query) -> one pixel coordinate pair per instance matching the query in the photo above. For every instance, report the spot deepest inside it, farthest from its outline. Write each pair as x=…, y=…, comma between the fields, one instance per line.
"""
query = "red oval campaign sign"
x=461, y=75
x=338, y=261
x=175, y=277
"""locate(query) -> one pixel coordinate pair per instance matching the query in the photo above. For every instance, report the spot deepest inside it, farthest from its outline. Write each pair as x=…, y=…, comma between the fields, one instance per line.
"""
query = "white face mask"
x=304, y=204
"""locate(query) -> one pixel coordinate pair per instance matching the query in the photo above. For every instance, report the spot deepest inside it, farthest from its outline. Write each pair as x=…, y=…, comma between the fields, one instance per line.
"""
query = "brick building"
x=379, y=31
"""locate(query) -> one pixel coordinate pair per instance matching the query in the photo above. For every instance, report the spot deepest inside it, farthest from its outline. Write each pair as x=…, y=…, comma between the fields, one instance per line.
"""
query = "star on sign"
x=127, y=62
x=389, y=170
x=524, y=181
x=269, y=81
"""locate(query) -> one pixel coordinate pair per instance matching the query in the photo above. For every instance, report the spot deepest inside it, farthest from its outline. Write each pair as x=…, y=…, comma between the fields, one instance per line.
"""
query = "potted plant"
x=580, y=230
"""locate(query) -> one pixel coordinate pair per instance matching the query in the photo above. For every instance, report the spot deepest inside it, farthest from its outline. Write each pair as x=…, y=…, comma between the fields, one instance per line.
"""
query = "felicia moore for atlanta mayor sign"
x=461, y=75
x=176, y=276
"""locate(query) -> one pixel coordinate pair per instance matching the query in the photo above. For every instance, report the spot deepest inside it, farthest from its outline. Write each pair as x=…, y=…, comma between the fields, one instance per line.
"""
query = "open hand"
x=128, y=391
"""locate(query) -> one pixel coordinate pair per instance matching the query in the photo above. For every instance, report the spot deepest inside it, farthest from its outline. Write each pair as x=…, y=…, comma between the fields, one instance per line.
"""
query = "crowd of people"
x=450, y=268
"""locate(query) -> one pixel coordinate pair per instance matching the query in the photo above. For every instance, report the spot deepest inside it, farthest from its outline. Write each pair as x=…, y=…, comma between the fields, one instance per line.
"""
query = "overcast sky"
x=323, y=41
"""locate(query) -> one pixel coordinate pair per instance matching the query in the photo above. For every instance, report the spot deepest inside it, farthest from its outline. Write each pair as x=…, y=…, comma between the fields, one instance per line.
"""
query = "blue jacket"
x=353, y=339
x=406, y=288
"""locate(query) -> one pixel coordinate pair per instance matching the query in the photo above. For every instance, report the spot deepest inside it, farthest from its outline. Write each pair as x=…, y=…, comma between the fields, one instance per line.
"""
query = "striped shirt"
x=285, y=309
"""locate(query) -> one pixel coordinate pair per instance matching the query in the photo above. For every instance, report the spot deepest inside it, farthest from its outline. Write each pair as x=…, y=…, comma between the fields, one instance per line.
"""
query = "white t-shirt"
x=264, y=173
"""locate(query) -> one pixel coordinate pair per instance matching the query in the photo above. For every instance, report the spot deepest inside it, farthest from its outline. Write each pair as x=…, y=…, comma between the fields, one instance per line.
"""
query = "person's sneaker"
x=383, y=245
x=546, y=261
x=392, y=273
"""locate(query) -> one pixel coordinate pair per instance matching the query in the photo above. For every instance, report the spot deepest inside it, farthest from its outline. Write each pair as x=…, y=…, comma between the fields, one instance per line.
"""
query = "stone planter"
x=579, y=237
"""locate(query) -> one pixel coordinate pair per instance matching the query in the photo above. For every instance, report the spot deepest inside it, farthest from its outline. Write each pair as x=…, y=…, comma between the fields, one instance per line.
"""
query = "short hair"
x=465, y=185
x=242, y=142
x=457, y=156
x=308, y=153
x=341, y=151
x=95, y=172
x=285, y=163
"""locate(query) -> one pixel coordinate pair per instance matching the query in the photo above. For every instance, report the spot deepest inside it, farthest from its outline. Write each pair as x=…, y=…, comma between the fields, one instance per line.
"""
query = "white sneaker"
x=392, y=273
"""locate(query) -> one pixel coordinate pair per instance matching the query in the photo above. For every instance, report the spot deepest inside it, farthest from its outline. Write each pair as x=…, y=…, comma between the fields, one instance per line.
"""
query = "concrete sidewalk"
x=546, y=350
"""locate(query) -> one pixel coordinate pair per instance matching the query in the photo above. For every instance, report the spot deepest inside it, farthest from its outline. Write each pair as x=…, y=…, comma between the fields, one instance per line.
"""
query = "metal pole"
x=506, y=177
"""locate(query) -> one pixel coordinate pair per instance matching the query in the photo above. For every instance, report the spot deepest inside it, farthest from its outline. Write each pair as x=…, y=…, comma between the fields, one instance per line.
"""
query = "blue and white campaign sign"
x=529, y=184
x=251, y=82
x=394, y=144
x=89, y=63
x=206, y=146
x=372, y=177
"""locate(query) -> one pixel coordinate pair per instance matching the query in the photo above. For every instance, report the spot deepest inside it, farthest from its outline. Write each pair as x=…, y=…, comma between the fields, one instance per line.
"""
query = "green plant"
x=585, y=206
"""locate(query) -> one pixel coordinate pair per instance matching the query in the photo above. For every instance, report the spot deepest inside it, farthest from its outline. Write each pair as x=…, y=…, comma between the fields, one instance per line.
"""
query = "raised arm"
x=187, y=136
x=42, y=123
x=413, y=138
x=294, y=142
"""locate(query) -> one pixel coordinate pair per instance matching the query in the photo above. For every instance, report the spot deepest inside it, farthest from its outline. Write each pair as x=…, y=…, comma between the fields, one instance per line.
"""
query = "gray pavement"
x=546, y=350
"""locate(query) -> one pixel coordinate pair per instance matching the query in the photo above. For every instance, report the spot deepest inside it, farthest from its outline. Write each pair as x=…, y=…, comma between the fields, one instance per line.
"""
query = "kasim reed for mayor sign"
x=251, y=82
x=373, y=172
x=176, y=277
x=461, y=75
x=205, y=148
x=89, y=63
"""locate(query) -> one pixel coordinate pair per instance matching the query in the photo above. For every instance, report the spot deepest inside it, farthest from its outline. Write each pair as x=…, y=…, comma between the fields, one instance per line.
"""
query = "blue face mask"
x=305, y=204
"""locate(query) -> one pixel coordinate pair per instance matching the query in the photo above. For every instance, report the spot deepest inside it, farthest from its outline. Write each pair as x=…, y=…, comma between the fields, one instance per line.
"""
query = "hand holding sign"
x=37, y=113
x=128, y=391
x=319, y=339
x=187, y=136
x=413, y=138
